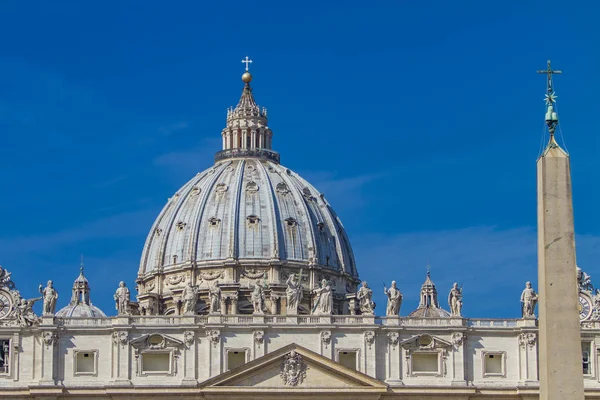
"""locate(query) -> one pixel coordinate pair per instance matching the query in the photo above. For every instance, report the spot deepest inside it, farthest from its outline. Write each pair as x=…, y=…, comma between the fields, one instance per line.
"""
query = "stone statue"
x=584, y=280
x=324, y=302
x=258, y=298
x=365, y=299
x=529, y=299
x=293, y=293
x=190, y=298
x=121, y=297
x=394, y=300
x=214, y=293
x=24, y=311
x=455, y=300
x=49, y=295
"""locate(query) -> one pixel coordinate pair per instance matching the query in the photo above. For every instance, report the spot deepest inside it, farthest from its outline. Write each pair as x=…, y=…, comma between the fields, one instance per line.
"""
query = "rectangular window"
x=85, y=362
x=425, y=363
x=157, y=363
x=493, y=364
x=4, y=356
x=585, y=357
x=235, y=358
x=347, y=359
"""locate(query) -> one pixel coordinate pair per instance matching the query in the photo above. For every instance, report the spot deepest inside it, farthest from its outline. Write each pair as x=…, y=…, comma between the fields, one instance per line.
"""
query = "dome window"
x=306, y=192
x=180, y=225
x=282, y=188
x=214, y=221
x=221, y=188
x=158, y=231
x=252, y=187
x=291, y=222
x=252, y=220
x=195, y=191
x=321, y=226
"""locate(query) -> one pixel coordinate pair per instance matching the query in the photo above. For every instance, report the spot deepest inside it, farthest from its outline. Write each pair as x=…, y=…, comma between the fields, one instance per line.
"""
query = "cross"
x=549, y=71
x=247, y=61
x=81, y=264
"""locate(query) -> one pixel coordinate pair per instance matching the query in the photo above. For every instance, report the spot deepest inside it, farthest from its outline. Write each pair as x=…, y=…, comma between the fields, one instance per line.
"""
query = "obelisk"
x=560, y=366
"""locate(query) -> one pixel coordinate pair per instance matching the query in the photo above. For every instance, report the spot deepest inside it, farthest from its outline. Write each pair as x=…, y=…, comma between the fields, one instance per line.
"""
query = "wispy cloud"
x=174, y=128
x=188, y=162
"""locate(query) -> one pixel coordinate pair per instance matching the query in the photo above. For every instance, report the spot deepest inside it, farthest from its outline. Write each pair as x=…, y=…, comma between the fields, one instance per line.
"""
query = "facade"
x=248, y=288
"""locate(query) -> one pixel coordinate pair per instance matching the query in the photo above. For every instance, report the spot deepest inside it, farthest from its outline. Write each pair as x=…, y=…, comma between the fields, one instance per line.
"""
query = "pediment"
x=155, y=341
x=425, y=342
x=295, y=368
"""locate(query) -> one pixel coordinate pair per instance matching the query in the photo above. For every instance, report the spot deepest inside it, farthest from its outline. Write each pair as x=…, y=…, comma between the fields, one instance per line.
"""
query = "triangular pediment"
x=295, y=368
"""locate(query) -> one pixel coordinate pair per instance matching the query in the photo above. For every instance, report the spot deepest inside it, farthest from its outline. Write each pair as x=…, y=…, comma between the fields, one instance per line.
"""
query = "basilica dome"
x=247, y=217
x=80, y=305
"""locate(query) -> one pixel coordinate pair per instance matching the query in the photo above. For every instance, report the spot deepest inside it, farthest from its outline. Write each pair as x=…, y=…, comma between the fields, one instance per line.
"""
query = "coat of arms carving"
x=293, y=369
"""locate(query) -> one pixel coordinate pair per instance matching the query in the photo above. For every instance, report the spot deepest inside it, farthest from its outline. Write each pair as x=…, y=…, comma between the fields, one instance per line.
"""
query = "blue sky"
x=420, y=120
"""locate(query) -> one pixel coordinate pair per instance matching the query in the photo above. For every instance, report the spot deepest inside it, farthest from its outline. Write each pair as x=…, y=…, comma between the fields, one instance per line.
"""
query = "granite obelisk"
x=560, y=368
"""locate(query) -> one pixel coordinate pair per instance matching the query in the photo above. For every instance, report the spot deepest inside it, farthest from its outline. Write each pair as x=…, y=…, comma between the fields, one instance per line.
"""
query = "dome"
x=246, y=217
x=429, y=306
x=80, y=305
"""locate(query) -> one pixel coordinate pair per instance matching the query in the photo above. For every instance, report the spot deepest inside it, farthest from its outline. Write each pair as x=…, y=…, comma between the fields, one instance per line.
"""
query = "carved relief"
x=458, y=338
x=188, y=338
x=214, y=336
x=210, y=276
x=158, y=231
x=180, y=225
x=527, y=339
x=394, y=338
x=49, y=338
x=326, y=337
x=254, y=273
x=120, y=338
x=293, y=369
x=259, y=337
x=370, y=338
x=175, y=279
x=150, y=285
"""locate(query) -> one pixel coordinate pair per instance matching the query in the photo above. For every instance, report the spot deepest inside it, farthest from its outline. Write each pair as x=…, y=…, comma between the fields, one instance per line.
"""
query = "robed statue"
x=394, y=300
x=529, y=299
x=49, y=295
x=122, y=298
x=190, y=298
x=214, y=293
x=324, y=301
x=455, y=300
x=258, y=298
x=293, y=293
x=365, y=299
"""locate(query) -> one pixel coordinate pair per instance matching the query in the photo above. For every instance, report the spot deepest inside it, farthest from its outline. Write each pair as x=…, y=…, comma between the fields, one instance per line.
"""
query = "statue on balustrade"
x=455, y=300
x=394, y=300
x=529, y=299
x=324, y=302
x=293, y=293
x=258, y=297
x=365, y=299
x=214, y=292
x=122, y=298
x=584, y=280
x=49, y=295
x=190, y=298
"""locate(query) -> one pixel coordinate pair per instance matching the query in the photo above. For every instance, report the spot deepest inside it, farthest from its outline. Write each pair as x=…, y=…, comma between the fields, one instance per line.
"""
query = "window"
x=85, y=362
x=494, y=364
x=427, y=363
x=4, y=356
x=156, y=363
x=585, y=357
x=235, y=358
x=347, y=358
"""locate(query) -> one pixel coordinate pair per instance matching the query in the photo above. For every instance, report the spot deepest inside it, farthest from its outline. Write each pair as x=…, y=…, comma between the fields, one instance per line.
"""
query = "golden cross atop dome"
x=247, y=61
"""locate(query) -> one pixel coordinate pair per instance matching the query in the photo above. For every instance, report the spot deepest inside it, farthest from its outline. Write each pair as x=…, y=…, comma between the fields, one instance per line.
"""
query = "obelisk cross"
x=549, y=72
x=247, y=61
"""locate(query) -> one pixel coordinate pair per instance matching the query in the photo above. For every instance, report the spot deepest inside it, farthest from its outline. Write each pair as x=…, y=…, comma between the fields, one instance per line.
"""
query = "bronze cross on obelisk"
x=549, y=71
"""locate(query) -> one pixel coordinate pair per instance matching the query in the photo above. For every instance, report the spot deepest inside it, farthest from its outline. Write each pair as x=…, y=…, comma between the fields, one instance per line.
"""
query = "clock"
x=585, y=307
x=5, y=304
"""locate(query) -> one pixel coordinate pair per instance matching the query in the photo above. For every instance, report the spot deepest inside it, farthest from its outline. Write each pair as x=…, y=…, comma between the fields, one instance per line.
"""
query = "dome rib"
x=275, y=249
